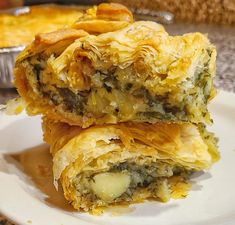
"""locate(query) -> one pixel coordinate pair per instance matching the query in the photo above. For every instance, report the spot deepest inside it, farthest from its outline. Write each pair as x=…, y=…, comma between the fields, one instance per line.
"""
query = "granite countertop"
x=222, y=36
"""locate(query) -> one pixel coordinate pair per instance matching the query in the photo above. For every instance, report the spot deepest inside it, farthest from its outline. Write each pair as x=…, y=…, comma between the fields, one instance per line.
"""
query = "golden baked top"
x=21, y=29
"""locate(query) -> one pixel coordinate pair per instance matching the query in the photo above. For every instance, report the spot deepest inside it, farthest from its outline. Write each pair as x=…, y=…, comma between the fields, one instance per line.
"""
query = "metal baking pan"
x=7, y=61
x=8, y=54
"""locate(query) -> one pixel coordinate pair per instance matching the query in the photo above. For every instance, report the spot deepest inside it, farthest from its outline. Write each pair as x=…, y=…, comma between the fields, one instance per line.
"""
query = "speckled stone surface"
x=222, y=36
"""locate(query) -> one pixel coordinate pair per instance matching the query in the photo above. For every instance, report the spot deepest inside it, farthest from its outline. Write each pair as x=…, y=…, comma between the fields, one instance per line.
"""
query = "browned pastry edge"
x=114, y=11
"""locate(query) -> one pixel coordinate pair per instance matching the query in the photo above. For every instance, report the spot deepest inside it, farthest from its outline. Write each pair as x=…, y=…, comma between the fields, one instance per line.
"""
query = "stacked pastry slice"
x=124, y=163
x=124, y=107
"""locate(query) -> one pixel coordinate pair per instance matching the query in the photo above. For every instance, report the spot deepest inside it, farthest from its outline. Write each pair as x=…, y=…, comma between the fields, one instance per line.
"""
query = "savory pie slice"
x=126, y=163
x=138, y=73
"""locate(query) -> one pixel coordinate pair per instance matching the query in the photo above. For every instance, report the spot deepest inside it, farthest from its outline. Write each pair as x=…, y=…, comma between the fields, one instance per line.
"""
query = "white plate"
x=24, y=199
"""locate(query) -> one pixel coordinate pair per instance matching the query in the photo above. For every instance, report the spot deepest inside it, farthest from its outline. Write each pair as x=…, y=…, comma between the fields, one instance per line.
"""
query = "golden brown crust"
x=92, y=22
x=57, y=40
x=161, y=64
x=95, y=149
x=58, y=134
x=45, y=40
x=99, y=26
x=114, y=11
x=105, y=18
x=59, y=35
x=42, y=42
x=171, y=138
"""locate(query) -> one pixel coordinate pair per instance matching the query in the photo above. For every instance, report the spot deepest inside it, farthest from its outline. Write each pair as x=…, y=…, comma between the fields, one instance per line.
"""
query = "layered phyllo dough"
x=108, y=165
x=124, y=107
x=137, y=73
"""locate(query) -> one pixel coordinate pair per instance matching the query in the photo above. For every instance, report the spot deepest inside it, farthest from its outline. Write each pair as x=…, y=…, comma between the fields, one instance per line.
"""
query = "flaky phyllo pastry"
x=105, y=165
x=124, y=106
x=86, y=75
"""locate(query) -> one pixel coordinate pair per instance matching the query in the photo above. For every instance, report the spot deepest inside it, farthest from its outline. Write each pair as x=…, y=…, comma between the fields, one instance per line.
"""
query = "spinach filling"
x=144, y=175
x=148, y=177
x=73, y=102
x=155, y=107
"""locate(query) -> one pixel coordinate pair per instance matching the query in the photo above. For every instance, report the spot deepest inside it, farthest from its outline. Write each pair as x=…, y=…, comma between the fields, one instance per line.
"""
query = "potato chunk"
x=108, y=186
